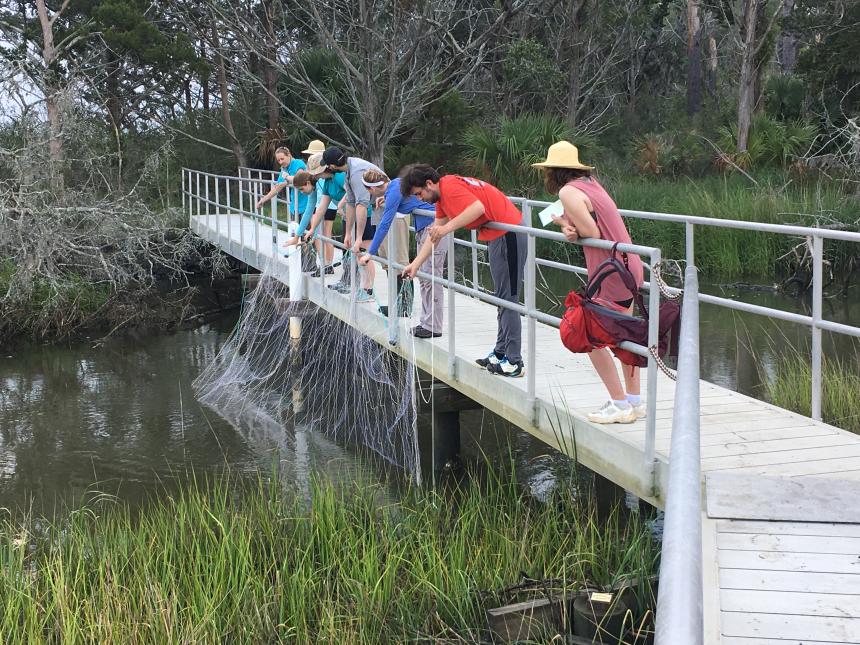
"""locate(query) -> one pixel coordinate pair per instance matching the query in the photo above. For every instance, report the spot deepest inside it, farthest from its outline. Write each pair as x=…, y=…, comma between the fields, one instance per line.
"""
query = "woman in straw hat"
x=314, y=147
x=589, y=212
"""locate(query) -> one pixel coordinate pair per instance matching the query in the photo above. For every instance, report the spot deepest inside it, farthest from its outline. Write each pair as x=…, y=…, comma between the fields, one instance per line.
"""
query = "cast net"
x=329, y=377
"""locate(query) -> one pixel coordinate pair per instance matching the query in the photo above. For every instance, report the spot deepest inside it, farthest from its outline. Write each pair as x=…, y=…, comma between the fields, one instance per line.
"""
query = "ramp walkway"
x=778, y=560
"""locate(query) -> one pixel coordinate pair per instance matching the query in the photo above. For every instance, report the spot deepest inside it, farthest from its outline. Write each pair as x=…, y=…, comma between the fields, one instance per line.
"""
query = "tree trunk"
x=712, y=66
x=52, y=92
x=694, y=58
x=270, y=74
x=574, y=78
x=746, y=84
x=225, y=99
x=114, y=110
x=787, y=47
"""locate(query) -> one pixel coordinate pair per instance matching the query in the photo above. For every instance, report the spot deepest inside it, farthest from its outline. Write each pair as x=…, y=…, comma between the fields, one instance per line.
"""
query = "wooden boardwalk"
x=746, y=601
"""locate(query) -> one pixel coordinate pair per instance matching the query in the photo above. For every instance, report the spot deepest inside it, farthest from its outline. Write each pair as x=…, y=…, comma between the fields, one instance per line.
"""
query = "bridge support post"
x=445, y=439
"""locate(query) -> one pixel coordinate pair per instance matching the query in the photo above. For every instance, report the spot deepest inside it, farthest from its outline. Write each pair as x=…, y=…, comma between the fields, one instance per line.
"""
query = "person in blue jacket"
x=289, y=166
x=394, y=223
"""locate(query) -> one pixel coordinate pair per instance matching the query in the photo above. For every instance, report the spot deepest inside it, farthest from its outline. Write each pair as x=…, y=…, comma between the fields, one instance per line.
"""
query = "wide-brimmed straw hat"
x=315, y=146
x=562, y=155
x=315, y=166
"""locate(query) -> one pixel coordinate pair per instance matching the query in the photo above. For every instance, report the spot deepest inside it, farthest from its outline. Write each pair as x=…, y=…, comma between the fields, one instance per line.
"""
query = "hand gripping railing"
x=679, y=598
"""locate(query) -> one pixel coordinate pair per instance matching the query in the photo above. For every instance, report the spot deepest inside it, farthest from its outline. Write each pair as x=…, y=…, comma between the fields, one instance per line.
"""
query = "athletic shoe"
x=329, y=270
x=340, y=287
x=505, y=368
x=611, y=413
x=362, y=295
x=492, y=359
x=640, y=410
x=422, y=332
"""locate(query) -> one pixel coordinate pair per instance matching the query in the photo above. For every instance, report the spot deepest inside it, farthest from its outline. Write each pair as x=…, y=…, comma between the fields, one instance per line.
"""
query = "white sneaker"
x=362, y=295
x=640, y=410
x=611, y=413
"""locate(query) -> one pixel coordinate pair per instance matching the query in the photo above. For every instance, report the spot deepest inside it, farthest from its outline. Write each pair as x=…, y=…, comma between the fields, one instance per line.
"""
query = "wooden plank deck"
x=757, y=563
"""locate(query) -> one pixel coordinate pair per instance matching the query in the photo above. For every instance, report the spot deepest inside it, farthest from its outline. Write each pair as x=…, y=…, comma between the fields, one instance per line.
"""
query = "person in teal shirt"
x=289, y=167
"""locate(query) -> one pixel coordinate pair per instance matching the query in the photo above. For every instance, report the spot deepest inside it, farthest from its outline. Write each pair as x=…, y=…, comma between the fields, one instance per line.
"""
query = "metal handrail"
x=529, y=310
x=679, y=596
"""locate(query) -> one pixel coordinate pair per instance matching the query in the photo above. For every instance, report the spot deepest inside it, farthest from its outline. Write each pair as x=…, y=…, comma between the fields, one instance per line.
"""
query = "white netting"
x=330, y=377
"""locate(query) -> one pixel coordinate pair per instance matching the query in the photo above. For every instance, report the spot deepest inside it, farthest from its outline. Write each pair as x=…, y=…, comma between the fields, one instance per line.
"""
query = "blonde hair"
x=371, y=177
x=284, y=150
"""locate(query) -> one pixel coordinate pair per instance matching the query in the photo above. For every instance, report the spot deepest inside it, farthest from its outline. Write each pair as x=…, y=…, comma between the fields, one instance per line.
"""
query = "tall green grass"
x=840, y=386
x=213, y=565
x=730, y=253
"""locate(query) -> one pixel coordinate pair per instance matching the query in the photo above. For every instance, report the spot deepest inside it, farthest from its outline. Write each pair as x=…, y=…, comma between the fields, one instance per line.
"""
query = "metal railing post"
x=475, y=277
x=531, y=351
x=817, y=288
x=255, y=210
x=197, y=195
x=653, y=341
x=679, y=596
x=294, y=216
x=391, y=244
x=274, y=224
x=690, y=243
x=230, y=243
x=217, y=206
x=182, y=183
x=208, y=205
x=452, y=345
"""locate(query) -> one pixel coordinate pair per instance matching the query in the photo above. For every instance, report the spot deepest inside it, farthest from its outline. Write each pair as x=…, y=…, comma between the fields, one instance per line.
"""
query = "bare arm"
x=577, y=214
x=271, y=193
x=318, y=215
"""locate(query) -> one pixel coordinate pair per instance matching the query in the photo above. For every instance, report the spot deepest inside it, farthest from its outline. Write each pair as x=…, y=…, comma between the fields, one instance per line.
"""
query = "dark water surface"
x=119, y=416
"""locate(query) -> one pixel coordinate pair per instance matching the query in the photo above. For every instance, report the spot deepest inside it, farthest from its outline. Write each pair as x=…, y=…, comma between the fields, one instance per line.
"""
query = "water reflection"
x=121, y=417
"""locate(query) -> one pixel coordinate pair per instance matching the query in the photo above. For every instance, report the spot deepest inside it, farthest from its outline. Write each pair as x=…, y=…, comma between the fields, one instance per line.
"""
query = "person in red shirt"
x=465, y=202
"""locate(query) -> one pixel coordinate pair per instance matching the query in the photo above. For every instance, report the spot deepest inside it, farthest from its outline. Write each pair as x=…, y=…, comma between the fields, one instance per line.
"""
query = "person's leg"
x=507, y=262
x=604, y=365
x=431, y=293
x=328, y=225
x=498, y=259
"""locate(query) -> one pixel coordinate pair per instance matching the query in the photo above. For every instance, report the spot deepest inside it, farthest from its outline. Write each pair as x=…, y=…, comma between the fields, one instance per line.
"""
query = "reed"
x=222, y=563
x=840, y=383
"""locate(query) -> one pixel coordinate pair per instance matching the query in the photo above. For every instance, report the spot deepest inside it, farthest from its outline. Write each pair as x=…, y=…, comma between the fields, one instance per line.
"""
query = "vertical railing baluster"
x=653, y=341
x=217, y=206
x=690, y=243
x=452, y=345
x=393, y=316
x=274, y=224
x=531, y=351
x=817, y=293
x=475, y=276
x=208, y=205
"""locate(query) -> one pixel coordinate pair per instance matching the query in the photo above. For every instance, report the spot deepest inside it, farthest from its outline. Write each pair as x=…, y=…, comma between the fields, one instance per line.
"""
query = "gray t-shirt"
x=356, y=191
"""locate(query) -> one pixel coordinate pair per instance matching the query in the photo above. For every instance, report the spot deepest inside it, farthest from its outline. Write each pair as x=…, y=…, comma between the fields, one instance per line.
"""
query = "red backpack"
x=591, y=323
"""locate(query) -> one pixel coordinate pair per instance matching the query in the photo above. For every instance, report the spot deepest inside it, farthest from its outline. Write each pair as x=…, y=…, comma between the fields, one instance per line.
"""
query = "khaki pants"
x=399, y=230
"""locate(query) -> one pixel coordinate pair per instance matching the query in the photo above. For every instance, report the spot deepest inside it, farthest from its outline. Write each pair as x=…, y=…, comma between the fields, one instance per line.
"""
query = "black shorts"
x=330, y=214
x=369, y=231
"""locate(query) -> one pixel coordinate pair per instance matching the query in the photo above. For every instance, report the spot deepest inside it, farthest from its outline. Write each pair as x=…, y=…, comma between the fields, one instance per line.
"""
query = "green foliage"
x=214, y=564
x=503, y=153
x=532, y=80
x=840, y=382
x=671, y=153
x=435, y=140
x=784, y=98
x=771, y=142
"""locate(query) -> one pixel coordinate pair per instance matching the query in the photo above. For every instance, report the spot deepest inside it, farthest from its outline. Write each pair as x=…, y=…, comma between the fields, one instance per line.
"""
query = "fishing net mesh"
x=330, y=377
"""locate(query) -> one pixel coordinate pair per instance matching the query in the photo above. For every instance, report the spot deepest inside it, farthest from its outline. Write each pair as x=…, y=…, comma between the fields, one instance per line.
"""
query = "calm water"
x=120, y=416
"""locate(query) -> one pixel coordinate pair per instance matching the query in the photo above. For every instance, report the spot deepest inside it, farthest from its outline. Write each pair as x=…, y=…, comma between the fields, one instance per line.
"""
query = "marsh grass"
x=730, y=253
x=790, y=388
x=223, y=563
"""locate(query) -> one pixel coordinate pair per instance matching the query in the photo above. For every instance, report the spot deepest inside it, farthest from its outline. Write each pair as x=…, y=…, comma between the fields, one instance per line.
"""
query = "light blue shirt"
x=292, y=169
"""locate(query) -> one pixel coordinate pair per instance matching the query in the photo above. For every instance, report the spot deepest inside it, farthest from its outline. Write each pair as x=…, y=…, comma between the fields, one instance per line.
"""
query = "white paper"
x=555, y=209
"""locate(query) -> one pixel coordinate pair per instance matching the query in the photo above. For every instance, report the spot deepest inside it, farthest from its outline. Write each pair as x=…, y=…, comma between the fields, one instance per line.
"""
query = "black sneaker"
x=422, y=332
x=506, y=368
x=491, y=359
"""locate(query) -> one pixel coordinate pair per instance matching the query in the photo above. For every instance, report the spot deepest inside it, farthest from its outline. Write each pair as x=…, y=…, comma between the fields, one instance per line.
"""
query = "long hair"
x=554, y=179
